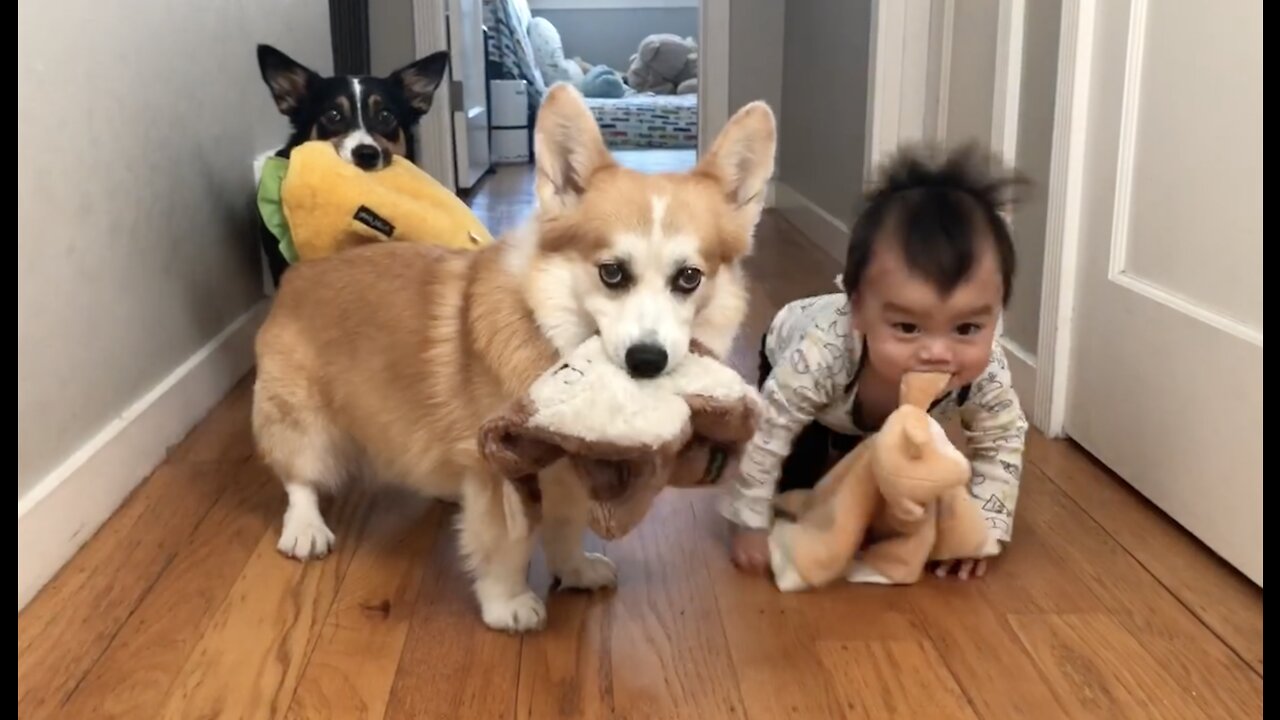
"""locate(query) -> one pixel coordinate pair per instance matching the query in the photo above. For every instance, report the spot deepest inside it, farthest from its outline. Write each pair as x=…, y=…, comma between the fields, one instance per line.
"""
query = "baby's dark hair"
x=939, y=205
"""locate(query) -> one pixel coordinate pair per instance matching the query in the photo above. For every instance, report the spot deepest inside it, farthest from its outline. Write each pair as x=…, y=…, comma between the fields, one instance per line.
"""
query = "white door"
x=1165, y=370
x=471, y=110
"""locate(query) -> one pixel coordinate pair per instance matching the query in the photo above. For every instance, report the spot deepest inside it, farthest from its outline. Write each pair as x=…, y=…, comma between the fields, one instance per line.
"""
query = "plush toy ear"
x=917, y=436
x=700, y=463
x=612, y=480
x=729, y=423
x=920, y=389
x=518, y=452
x=513, y=452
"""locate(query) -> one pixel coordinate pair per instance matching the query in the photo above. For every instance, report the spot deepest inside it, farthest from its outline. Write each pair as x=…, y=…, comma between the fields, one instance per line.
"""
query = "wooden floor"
x=180, y=606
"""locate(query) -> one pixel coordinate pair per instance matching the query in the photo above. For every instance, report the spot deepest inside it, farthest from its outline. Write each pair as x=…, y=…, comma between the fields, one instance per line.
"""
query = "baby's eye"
x=907, y=328
x=968, y=329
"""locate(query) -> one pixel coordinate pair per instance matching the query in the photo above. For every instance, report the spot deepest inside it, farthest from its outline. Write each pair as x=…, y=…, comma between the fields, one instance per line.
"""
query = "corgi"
x=369, y=120
x=383, y=362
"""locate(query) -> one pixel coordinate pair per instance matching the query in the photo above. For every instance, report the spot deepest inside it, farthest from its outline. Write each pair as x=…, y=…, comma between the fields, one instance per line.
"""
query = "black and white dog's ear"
x=420, y=79
x=288, y=79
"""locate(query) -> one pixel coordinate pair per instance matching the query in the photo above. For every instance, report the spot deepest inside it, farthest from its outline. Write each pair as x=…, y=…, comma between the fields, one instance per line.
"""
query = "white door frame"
x=1025, y=362
x=435, y=130
x=910, y=75
x=1008, y=86
x=1008, y=75
x=942, y=34
x=1006, y=106
x=899, y=97
x=1062, y=235
x=713, y=70
x=1046, y=394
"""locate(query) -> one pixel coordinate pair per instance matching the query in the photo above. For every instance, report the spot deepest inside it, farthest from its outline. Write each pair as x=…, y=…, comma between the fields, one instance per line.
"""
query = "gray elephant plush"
x=666, y=64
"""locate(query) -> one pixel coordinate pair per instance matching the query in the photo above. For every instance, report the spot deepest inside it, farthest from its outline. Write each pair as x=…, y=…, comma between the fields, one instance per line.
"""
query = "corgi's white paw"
x=305, y=535
x=590, y=571
x=523, y=613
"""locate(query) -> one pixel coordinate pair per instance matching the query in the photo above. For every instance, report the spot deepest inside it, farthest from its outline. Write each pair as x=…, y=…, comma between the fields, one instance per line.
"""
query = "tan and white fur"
x=384, y=361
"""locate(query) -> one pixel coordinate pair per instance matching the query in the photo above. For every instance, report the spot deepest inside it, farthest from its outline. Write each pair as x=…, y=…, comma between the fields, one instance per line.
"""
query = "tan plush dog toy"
x=900, y=498
x=628, y=439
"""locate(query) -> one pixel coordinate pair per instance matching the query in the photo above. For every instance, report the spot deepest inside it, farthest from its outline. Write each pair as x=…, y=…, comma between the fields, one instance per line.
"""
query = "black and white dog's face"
x=368, y=119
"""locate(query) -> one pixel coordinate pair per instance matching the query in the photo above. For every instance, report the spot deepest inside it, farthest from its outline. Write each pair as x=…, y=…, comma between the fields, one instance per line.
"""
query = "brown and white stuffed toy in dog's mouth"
x=627, y=438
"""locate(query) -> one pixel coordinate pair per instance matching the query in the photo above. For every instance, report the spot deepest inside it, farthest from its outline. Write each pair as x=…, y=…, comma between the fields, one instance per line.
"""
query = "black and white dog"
x=368, y=119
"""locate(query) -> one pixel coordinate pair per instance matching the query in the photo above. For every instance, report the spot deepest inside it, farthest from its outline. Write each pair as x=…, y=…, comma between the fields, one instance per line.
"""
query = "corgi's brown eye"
x=331, y=117
x=613, y=275
x=687, y=280
x=386, y=119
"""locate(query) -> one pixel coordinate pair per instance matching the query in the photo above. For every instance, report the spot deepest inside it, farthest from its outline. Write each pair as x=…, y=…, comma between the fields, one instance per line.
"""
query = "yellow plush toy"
x=316, y=204
x=900, y=498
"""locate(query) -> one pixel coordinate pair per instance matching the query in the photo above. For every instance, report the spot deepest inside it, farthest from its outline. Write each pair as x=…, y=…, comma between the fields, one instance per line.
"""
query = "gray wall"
x=969, y=117
x=756, y=53
x=135, y=238
x=610, y=37
x=1035, y=144
x=390, y=35
x=823, y=130
x=971, y=95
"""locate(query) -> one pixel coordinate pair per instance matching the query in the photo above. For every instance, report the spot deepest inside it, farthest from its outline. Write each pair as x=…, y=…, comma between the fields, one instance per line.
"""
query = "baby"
x=929, y=270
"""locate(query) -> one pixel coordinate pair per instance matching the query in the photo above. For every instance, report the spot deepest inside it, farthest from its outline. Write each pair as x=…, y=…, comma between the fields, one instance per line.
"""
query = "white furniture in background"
x=453, y=139
x=470, y=108
x=509, y=122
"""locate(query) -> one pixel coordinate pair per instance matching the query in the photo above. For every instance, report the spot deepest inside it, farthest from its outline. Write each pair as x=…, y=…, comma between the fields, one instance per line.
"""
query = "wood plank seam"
x=1155, y=576
x=142, y=596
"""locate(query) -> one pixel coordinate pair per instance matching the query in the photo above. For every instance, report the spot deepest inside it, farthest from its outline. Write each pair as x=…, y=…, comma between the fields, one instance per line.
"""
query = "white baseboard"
x=67, y=507
x=824, y=229
x=1022, y=366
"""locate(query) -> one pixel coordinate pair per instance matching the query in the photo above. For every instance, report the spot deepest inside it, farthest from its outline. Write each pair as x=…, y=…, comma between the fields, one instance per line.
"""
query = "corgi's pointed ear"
x=568, y=148
x=420, y=79
x=742, y=157
x=288, y=79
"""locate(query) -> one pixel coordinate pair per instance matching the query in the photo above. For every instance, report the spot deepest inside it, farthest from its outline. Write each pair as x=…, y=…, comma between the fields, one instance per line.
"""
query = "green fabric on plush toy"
x=271, y=208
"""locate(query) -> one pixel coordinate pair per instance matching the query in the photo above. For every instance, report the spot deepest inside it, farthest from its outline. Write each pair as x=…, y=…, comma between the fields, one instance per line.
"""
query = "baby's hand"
x=750, y=549
x=963, y=569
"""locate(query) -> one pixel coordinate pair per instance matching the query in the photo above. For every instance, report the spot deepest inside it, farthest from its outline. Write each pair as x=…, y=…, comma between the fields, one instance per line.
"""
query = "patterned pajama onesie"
x=811, y=356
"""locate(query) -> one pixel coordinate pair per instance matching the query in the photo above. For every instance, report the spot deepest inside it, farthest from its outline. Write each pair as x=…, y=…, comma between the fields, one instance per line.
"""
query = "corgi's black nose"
x=366, y=157
x=646, y=360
